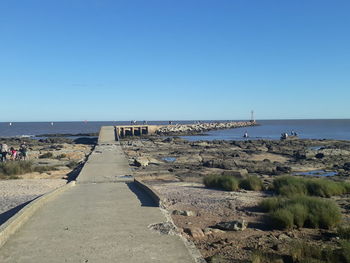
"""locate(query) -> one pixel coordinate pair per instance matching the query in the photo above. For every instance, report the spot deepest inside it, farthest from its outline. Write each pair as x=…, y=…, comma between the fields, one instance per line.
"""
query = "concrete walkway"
x=104, y=218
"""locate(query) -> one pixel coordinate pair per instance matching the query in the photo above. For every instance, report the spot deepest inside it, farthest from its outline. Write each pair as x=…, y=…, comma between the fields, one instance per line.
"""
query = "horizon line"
x=173, y=120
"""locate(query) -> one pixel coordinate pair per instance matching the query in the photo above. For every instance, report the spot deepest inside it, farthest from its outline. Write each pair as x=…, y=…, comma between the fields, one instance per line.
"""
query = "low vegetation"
x=231, y=183
x=302, y=252
x=290, y=186
x=301, y=211
x=225, y=182
x=251, y=183
x=344, y=232
x=10, y=170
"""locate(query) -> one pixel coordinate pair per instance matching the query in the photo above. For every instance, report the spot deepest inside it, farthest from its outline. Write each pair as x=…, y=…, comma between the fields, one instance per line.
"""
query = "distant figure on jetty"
x=293, y=133
x=170, y=122
x=284, y=136
x=245, y=134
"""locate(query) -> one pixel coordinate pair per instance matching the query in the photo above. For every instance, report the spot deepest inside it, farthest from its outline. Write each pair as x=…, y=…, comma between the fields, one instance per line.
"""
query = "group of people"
x=286, y=135
x=20, y=154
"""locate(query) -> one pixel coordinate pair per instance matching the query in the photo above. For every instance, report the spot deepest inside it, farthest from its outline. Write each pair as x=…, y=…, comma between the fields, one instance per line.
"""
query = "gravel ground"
x=16, y=192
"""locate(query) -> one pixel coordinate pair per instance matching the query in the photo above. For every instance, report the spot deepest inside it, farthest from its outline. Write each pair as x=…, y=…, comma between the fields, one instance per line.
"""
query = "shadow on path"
x=144, y=198
x=10, y=213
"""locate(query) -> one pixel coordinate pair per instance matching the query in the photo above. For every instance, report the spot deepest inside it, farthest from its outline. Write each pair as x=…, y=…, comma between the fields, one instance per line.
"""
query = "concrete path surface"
x=104, y=218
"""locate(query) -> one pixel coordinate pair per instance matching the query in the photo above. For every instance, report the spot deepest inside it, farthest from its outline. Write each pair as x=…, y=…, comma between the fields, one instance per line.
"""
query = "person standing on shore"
x=4, y=150
x=23, y=150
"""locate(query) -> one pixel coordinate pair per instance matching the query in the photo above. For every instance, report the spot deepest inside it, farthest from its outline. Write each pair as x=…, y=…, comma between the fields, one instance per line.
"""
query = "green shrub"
x=282, y=218
x=302, y=252
x=9, y=170
x=224, y=182
x=231, y=183
x=15, y=168
x=290, y=186
x=300, y=214
x=270, y=204
x=46, y=155
x=344, y=252
x=228, y=183
x=251, y=183
x=211, y=181
x=307, y=253
x=305, y=212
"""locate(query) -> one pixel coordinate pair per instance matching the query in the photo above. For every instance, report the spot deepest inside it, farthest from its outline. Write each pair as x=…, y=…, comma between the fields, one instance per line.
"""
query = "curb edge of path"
x=192, y=249
x=19, y=219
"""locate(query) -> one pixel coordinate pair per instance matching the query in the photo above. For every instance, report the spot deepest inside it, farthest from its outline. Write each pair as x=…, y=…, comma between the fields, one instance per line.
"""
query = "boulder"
x=236, y=225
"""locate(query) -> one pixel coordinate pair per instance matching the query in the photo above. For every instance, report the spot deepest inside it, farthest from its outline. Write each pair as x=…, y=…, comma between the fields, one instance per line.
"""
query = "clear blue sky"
x=174, y=59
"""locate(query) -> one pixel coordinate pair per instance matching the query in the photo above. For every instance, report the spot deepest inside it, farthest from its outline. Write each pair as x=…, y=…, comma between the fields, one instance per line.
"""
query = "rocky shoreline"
x=51, y=163
x=175, y=168
x=198, y=128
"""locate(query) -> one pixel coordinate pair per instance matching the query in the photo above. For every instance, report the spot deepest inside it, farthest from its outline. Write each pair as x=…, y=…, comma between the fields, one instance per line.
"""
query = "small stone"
x=217, y=231
x=195, y=232
x=184, y=213
x=141, y=161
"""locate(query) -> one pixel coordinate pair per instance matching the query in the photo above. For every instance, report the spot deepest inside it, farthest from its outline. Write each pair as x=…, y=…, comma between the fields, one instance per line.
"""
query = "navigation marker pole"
x=252, y=119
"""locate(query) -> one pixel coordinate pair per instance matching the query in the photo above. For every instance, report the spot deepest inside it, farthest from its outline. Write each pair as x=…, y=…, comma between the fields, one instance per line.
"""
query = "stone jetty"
x=187, y=129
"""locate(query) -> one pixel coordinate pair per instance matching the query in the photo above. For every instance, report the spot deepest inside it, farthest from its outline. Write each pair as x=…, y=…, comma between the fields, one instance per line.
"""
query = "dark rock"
x=232, y=225
x=346, y=166
x=283, y=169
x=319, y=155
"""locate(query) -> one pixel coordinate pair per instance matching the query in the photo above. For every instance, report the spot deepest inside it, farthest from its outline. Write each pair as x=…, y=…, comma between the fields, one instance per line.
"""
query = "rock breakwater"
x=189, y=129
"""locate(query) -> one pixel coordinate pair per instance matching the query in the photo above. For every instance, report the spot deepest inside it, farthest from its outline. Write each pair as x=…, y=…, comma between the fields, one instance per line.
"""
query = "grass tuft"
x=224, y=182
x=231, y=183
x=290, y=186
x=301, y=211
x=10, y=170
x=251, y=183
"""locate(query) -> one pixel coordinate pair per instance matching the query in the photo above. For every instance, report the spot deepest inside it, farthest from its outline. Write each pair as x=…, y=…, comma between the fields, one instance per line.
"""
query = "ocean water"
x=269, y=129
x=33, y=129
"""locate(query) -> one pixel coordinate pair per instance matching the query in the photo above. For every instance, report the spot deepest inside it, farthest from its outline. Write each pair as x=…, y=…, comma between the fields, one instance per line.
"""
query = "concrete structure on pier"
x=136, y=130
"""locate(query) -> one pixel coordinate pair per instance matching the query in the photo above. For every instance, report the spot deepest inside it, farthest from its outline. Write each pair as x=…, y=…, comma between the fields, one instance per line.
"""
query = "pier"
x=104, y=217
